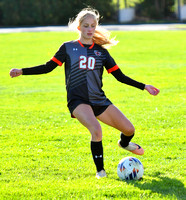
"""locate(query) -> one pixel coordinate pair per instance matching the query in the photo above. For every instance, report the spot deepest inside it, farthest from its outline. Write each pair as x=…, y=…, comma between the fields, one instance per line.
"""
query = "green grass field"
x=44, y=154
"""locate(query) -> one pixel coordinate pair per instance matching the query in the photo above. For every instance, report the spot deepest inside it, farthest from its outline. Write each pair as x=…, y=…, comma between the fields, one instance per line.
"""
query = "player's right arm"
x=42, y=69
x=15, y=72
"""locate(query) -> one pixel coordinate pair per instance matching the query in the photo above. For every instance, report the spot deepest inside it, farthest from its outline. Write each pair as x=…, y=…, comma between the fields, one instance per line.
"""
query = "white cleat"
x=132, y=147
x=101, y=174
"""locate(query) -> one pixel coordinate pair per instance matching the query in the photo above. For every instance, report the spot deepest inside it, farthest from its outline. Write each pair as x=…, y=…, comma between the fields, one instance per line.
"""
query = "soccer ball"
x=130, y=168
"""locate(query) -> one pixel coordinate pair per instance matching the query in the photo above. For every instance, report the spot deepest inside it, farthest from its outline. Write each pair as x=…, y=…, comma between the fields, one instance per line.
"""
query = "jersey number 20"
x=87, y=62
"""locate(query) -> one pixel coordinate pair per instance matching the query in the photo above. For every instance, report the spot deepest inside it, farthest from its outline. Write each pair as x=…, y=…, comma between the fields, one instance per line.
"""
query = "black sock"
x=97, y=153
x=125, y=140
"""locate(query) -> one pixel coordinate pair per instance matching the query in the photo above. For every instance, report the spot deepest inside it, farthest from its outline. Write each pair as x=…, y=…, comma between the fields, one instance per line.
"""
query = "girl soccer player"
x=84, y=61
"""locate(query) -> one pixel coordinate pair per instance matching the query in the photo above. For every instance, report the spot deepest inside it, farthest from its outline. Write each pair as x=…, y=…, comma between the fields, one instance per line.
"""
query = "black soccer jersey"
x=83, y=69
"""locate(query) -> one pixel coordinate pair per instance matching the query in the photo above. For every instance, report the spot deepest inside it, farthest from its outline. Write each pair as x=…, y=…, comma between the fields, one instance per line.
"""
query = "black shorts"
x=97, y=109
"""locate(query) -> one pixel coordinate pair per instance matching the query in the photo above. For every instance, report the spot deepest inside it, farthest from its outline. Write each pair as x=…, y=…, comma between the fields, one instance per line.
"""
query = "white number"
x=83, y=63
x=91, y=63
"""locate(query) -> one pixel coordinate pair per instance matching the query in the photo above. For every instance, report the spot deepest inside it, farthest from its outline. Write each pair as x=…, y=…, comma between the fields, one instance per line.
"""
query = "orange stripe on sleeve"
x=57, y=61
x=113, y=69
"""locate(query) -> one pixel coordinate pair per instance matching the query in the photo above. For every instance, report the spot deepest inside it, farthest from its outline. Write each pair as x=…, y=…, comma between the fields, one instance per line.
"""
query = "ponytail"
x=102, y=38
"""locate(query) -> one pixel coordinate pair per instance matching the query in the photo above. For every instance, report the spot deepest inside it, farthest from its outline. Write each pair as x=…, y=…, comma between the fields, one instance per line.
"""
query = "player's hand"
x=152, y=90
x=15, y=72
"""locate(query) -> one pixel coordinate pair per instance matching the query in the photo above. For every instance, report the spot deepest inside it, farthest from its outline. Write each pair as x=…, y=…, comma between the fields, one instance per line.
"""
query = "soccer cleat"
x=132, y=147
x=101, y=174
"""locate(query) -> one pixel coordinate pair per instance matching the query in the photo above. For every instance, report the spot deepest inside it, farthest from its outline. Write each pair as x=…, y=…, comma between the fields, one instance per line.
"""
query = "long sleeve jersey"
x=84, y=65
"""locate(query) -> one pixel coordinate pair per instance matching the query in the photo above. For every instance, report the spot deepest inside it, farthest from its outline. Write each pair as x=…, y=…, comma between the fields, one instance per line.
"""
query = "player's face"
x=87, y=29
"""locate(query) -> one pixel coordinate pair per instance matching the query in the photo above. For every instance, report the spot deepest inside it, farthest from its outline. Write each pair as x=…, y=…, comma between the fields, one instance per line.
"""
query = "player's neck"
x=86, y=41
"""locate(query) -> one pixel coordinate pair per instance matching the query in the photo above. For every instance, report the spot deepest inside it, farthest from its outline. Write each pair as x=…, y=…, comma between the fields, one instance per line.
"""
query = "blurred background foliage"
x=49, y=12
x=58, y=12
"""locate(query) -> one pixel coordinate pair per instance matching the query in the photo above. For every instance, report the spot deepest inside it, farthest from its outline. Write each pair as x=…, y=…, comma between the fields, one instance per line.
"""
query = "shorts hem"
x=97, y=109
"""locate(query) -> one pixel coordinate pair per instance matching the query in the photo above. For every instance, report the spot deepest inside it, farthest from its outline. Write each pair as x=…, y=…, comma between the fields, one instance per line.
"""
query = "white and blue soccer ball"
x=130, y=168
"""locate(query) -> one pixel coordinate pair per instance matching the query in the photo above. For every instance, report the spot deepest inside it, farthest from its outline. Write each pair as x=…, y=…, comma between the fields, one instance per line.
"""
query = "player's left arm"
x=129, y=81
x=113, y=68
x=152, y=90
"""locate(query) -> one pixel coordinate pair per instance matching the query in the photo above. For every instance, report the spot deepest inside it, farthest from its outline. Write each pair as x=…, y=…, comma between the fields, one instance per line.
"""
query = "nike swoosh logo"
x=138, y=146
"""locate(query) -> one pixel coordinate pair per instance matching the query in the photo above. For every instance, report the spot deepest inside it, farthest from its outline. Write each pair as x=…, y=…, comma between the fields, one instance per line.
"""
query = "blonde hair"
x=101, y=36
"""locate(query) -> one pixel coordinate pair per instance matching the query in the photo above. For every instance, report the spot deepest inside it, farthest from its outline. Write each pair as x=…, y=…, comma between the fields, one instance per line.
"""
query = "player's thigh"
x=85, y=115
x=112, y=116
